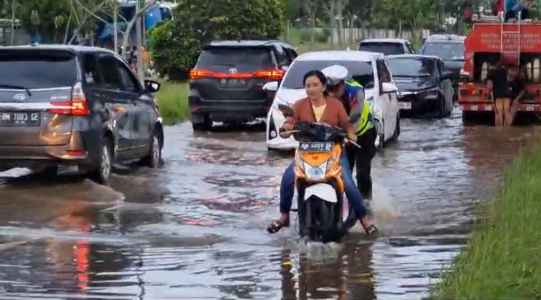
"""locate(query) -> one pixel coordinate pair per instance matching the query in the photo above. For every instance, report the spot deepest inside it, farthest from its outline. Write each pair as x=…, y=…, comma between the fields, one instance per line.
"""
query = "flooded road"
x=195, y=229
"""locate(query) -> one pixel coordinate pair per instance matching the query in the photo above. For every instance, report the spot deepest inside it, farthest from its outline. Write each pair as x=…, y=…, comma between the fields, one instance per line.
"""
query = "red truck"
x=519, y=44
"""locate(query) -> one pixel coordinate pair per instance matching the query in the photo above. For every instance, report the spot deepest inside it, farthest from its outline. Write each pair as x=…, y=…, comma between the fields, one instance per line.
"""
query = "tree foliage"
x=176, y=44
x=44, y=17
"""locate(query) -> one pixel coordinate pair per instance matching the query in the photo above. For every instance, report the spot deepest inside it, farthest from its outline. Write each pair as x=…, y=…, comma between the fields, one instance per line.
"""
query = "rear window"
x=385, y=48
x=446, y=51
x=411, y=67
x=360, y=71
x=235, y=59
x=35, y=70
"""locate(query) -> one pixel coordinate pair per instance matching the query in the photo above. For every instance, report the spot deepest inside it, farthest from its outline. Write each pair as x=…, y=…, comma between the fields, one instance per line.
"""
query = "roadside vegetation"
x=173, y=101
x=502, y=259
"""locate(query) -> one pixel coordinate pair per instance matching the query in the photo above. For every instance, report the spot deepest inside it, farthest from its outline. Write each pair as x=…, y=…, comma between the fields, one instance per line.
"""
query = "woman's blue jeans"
x=287, y=188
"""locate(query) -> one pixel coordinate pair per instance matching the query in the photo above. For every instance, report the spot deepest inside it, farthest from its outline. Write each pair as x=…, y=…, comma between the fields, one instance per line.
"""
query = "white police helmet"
x=335, y=74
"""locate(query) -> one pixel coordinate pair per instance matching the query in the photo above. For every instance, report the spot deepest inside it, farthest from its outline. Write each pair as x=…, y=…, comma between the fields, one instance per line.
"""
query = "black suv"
x=75, y=105
x=450, y=48
x=227, y=82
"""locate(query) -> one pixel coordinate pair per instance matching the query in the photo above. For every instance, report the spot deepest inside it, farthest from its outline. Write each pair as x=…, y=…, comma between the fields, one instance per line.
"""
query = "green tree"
x=176, y=44
x=46, y=17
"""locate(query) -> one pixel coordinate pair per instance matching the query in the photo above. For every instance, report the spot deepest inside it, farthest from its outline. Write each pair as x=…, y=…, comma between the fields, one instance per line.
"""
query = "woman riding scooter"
x=318, y=107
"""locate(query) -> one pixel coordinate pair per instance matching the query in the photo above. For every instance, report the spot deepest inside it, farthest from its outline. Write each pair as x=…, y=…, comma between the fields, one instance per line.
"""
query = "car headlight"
x=315, y=173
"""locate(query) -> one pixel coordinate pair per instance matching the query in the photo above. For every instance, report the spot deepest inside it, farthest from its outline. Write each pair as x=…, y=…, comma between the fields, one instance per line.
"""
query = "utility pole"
x=139, y=43
x=12, y=39
x=115, y=27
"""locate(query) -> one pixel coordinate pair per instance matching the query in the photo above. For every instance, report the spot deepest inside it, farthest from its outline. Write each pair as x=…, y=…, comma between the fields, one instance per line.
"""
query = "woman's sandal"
x=276, y=225
x=371, y=230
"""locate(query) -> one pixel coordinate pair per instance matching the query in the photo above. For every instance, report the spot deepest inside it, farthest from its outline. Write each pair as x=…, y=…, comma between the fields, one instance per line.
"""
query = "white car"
x=367, y=68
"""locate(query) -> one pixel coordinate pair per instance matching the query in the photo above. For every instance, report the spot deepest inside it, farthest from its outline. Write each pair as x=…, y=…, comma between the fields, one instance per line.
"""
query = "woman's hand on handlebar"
x=285, y=130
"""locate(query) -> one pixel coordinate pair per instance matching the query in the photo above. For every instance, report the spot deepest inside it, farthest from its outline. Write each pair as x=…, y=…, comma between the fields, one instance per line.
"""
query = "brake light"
x=198, y=74
x=271, y=75
x=77, y=106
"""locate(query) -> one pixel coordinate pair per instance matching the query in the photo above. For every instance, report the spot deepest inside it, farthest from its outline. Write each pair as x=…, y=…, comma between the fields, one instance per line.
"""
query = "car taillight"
x=77, y=106
x=271, y=75
x=198, y=74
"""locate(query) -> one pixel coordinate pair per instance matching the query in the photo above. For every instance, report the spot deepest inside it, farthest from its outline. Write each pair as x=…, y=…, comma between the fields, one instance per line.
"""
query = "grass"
x=173, y=101
x=502, y=259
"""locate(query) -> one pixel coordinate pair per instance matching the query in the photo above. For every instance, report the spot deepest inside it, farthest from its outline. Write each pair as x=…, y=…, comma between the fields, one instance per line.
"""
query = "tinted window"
x=359, y=71
x=129, y=81
x=383, y=72
x=108, y=68
x=33, y=69
x=291, y=53
x=408, y=67
x=385, y=48
x=281, y=55
x=446, y=51
x=91, y=75
x=242, y=59
x=410, y=48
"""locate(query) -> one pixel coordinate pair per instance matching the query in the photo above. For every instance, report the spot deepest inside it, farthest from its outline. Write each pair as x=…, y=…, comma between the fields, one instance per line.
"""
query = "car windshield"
x=411, y=67
x=235, y=59
x=358, y=70
x=37, y=69
x=385, y=48
x=446, y=51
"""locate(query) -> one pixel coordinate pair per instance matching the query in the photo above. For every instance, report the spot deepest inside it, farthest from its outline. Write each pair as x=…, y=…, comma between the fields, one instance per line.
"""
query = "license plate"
x=232, y=83
x=404, y=105
x=315, y=147
x=530, y=107
x=20, y=119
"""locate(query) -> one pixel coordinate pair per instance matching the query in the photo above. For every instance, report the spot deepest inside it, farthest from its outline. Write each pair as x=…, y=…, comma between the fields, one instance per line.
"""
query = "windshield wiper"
x=17, y=87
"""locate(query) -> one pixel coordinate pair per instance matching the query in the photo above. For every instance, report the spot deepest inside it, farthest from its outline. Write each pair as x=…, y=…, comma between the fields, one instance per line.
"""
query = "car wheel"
x=104, y=167
x=380, y=140
x=203, y=123
x=154, y=158
x=397, y=128
x=442, y=110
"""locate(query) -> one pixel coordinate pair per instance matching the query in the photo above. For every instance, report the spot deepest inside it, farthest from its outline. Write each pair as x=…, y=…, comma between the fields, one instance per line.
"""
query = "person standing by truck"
x=498, y=85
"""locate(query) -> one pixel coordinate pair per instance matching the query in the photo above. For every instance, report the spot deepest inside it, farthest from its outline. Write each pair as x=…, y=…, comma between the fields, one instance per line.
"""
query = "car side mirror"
x=446, y=75
x=388, y=88
x=152, y=86
x=271, y=86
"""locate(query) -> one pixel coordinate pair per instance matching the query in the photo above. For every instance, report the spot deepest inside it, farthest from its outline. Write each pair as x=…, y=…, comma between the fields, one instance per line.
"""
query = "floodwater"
x=195, y=229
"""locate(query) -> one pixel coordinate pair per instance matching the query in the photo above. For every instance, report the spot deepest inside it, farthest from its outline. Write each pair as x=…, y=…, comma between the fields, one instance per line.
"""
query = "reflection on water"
x=195, y=229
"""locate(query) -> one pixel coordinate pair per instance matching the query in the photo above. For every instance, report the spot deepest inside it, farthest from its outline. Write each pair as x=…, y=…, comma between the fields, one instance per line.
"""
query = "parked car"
x=450, y=48
x=424, y=85
x=76, y=106
x=386, y=46
x=226, y=83
x=367, y=68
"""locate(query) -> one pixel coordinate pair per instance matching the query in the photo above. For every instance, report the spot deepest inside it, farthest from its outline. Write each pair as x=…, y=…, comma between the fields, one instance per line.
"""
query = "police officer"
x=352, y=95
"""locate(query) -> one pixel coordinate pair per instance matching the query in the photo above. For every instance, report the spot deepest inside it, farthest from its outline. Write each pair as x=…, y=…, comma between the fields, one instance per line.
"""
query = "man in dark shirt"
x=499, y=84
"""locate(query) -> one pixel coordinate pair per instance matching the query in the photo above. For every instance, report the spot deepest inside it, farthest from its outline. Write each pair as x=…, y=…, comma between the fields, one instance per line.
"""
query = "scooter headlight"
x=315, y=173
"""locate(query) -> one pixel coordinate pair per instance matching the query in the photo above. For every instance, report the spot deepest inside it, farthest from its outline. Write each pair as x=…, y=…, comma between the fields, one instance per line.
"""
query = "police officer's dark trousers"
x=362, y=160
